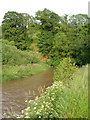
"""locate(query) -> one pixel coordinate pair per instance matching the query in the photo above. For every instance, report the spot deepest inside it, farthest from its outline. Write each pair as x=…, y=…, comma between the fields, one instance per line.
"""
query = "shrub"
x=64, y=70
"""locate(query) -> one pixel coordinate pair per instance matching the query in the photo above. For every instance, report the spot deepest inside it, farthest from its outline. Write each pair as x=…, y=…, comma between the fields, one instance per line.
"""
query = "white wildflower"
x=34, y=108
x=61, y=85
x=42, y=106
x=43, y=101
x=28, y=108
x=47, y=106
x=36, y=98
x=30, y=101
x=26, y=116
x=26, y=113
x=52, y=98
x=39, y=116
x=35, y=103
x=18, y=117
x=22, y=111
x=37, y=112
x=26, y=101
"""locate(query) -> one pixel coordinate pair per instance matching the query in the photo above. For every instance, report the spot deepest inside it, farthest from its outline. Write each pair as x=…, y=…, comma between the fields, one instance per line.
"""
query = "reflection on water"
x=15, y=92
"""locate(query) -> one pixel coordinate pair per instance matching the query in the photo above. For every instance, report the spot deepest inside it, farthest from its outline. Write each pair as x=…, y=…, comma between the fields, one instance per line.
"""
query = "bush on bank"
x=64, y=71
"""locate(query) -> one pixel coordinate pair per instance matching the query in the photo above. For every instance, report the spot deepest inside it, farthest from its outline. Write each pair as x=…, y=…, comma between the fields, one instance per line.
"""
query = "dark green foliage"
x=49, y=20
x=57, y=36
x=78, y=20
x=14, y=27
x=70, y=40
x=33, y=29
x=59, y=48
x=45, y=42
x=80, y=44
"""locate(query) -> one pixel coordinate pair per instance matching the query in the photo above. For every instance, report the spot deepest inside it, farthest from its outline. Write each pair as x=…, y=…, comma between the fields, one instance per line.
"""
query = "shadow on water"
x=15, y=92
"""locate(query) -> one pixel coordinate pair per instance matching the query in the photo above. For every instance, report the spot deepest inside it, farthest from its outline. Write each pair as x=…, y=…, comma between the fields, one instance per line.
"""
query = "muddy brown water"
x=15, y=92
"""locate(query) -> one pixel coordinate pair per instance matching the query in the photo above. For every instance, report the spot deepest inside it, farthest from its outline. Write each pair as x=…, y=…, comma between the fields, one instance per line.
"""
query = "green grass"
x=16, y=72
x=74, y=100
x=17, y=63
x=62, y=100
x=13, y=56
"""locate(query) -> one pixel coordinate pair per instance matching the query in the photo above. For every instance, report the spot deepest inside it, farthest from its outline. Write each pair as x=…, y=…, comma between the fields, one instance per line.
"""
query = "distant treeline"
x=56, y=36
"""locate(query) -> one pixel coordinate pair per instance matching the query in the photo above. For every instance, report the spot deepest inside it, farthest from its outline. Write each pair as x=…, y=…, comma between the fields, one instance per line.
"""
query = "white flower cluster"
x=34, y=108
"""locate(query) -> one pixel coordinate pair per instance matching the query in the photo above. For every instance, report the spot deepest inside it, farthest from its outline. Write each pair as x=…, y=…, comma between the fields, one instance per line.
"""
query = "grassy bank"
x=13, y=56
x=16, y=72
x=62, y=100
x=17, y=63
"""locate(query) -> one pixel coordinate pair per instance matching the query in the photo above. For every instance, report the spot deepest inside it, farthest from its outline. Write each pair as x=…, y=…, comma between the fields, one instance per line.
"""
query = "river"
x=15, y=92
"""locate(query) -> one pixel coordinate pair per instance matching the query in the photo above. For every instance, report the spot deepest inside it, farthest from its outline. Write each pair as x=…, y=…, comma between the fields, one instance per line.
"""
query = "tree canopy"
x=14, y=27
x=56, y=36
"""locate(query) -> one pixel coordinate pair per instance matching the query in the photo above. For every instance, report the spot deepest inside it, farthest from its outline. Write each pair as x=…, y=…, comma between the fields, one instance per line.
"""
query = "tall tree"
x=49, y=20
x=14, y=27
x=33, y=29
x=78, y=19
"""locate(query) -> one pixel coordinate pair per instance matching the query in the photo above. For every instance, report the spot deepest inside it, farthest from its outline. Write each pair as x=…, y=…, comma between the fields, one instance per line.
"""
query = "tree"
x=49, y=20
x=33, y=29
x=69, y=40
x=79, y=19
x=82, y=49
x=14, y=27
x=45, y=42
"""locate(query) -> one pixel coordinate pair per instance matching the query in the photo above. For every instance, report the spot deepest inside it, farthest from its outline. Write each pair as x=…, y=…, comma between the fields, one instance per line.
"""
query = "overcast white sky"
x=60, y=7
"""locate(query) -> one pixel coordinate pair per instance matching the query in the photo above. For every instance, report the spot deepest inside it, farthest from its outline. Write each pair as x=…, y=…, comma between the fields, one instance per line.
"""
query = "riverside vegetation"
x=17, y=63
x=62, y=100
x=32, y=44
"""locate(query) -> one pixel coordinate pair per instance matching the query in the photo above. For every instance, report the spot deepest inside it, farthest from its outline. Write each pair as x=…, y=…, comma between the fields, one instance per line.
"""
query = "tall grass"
x=62, y=100
x=16, y=72
x=17, y=64
x=11, y=55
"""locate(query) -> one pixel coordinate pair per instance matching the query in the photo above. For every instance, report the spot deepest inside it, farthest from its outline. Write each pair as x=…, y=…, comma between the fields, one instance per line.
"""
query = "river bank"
x=62, y=99
x=19, y=71
x=17, y=63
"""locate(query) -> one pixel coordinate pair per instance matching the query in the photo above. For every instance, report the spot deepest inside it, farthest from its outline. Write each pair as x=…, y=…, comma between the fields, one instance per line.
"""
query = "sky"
x=60, y=7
